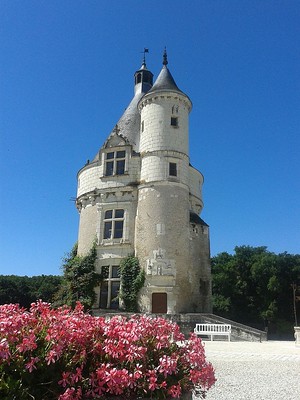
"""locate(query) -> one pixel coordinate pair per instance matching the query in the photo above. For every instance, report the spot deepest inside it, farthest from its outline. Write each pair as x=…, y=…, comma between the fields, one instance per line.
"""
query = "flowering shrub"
x=65, y=354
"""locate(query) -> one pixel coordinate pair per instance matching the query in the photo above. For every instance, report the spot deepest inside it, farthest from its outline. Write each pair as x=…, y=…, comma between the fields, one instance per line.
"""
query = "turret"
x=162, y=224
x=164, y=137
x=143, y=79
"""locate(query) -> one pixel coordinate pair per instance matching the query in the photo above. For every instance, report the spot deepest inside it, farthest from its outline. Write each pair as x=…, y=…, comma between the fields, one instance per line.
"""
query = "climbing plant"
x=132, y=280
x=79, y=278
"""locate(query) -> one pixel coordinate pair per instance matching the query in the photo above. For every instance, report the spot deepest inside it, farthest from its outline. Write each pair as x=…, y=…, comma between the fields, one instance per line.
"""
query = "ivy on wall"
x=79, y=278
x=132, y=280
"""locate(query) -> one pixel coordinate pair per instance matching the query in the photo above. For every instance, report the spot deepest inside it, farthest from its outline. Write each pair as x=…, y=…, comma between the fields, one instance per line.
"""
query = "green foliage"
x=221, y=303
x=79, y=279
x=132, y=280
x=25, y=290
x=253, y=286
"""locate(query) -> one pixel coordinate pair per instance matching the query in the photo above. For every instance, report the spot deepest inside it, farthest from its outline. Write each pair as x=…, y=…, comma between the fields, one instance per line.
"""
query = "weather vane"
x=144, y=52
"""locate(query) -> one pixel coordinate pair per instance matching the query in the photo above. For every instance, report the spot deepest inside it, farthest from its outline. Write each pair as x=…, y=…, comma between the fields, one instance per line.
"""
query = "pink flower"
x=65, y=379
x=4, y=350
x=28, y=343
x=138, y=372
x=31, y=364
x=51, y=357
x=69, y=394
x=95, y=358
x=168, y=364
x=175, y=391
x=204, y=377
x=77, y=376
x=152, y=378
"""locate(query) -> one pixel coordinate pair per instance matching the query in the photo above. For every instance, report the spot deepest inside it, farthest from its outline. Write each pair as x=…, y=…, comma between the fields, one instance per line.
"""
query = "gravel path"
x=254, y=371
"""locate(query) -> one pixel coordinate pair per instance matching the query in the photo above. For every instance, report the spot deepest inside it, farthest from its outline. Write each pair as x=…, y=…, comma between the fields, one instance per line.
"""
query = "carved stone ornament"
x=159, y=265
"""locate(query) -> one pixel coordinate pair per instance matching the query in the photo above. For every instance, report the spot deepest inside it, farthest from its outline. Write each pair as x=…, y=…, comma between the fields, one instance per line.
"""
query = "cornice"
x=105, y=196
x=164, y=94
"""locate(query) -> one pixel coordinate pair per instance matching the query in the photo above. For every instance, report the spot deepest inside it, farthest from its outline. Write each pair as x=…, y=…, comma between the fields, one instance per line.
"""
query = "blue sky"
x=67, y=75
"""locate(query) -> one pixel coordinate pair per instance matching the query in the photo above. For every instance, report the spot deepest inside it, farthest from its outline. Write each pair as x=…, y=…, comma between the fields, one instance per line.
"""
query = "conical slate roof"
x=128, y=126
x=129, y=123
x=164, y=81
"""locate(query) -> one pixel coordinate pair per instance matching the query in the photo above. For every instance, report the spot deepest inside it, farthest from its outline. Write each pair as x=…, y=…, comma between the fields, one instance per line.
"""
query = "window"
x=115, y=163
x=172, y=169
x=113, y=224
x=110, y=287
x=139, y=78
x=143, y=126
x=148, y=79
x=174, y=121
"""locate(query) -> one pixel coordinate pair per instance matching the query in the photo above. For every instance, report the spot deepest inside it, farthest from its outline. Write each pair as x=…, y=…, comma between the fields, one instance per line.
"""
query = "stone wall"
x=158, y=133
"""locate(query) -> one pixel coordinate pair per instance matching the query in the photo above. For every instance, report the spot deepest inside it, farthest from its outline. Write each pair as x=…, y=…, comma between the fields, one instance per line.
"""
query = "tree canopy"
x=25, y=290
x=254, y=286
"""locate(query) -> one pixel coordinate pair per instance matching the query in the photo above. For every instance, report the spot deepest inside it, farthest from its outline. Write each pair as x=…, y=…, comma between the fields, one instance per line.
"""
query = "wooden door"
x=159, y=303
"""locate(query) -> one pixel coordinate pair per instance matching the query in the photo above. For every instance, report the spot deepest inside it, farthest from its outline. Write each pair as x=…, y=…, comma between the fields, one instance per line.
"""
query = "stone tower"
x=140, y=195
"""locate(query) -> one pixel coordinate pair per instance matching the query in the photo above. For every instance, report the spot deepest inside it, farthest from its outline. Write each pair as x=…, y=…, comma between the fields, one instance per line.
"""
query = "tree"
x=45, y=287
x=79, y=279
x=25, y=290
x=253, y=286
x=15, y=289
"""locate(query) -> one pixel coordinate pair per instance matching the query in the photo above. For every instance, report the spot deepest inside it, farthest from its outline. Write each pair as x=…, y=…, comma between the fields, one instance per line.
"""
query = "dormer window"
x=115, y=163
x=174, y=121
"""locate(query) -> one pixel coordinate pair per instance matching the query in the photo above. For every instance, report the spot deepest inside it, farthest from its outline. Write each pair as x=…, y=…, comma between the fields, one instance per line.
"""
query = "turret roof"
x=165, y=80
x=128, y=126
x=129, y=123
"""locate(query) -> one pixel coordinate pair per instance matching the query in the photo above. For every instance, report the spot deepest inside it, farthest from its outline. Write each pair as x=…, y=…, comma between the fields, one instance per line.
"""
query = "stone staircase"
x=239, y=332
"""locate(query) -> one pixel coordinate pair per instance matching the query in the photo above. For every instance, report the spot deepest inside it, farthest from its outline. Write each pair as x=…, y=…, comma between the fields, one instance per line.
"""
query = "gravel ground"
x=254, y=371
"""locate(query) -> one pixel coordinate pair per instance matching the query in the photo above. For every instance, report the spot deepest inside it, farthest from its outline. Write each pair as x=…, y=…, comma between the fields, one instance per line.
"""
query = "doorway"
x=159, y=303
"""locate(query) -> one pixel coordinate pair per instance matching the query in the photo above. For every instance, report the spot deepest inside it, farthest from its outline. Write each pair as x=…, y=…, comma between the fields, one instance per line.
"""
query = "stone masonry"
x=141, y=196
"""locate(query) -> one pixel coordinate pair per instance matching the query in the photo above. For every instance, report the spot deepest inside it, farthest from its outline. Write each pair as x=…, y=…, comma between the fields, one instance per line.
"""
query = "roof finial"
x=116, y=130
x=165, y=57
x=144, y=58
